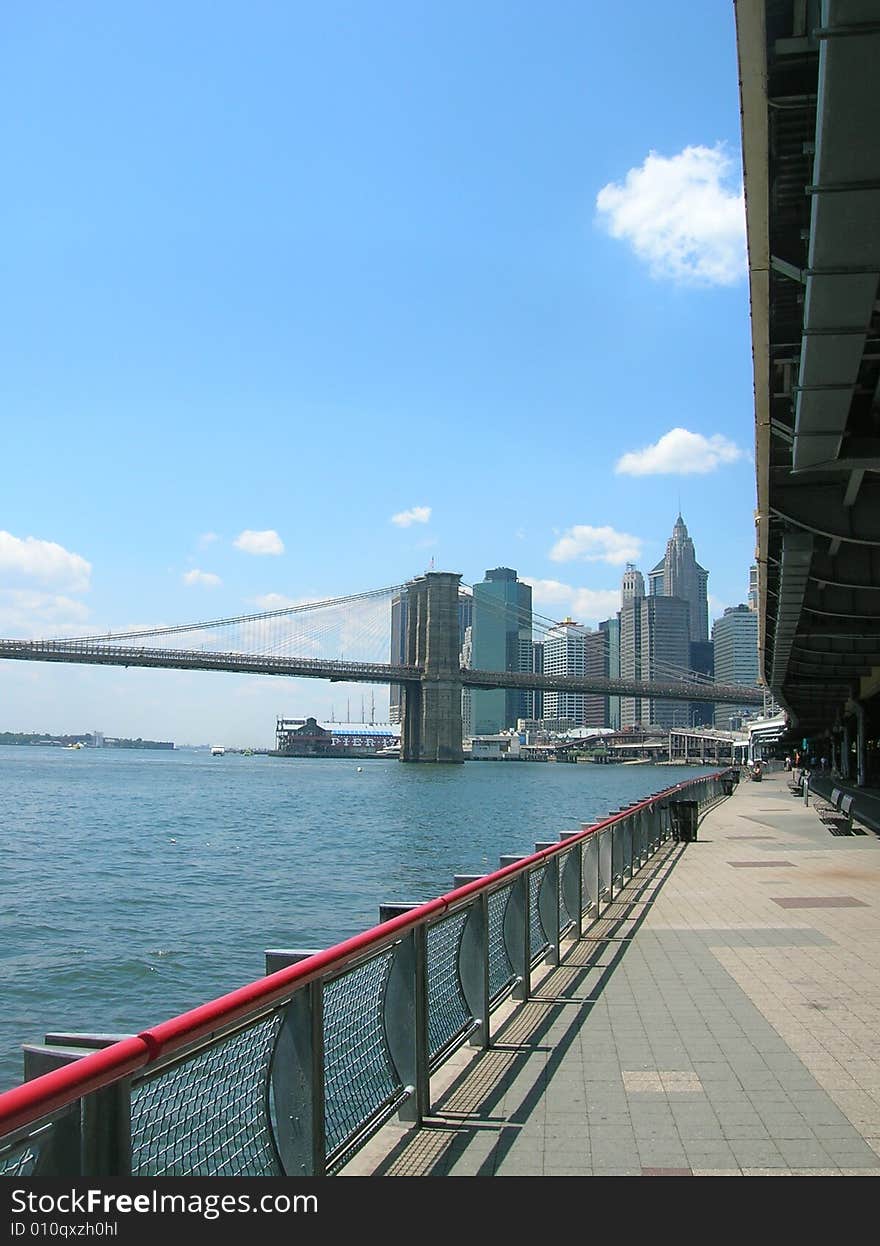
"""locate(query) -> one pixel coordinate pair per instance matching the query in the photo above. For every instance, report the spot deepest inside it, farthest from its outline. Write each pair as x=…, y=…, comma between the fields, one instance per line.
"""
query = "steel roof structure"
x=811, y=155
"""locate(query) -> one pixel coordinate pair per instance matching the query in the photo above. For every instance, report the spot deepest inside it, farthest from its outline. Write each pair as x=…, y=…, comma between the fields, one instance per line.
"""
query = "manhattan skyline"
x=274, y=336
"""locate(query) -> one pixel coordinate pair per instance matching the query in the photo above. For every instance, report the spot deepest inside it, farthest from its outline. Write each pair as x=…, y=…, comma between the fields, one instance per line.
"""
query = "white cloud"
x=586, y=605
x=31, y=615
x=417, y=514
x=680, y=453
x=206, y=579
x=268, y=542
x=43, y=561
x=596, y=545
x=683, y=215
x=206, y=539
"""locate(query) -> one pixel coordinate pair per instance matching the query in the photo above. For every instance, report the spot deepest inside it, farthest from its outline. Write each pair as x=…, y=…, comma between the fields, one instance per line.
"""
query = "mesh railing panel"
x=538, y=939
x=207, y=1116
x=19, y=1160
x=448, y=1014
x=359, y=1077
x=589, y=866
x=569, y=864
x=500, y=967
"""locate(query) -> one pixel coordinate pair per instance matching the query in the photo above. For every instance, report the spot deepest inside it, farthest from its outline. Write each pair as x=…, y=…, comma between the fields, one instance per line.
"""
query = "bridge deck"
x=725, y=1018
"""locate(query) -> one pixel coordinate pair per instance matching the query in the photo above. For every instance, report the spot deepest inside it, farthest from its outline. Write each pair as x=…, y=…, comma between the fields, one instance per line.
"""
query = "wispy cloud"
x=683, y=215
x=417, y=514
x=30, y=614
x=207, y=538
x=44, y=561
x=586, y=605
x=267, y=542
x=205, y=579
x=680, y=453
x=586, y=544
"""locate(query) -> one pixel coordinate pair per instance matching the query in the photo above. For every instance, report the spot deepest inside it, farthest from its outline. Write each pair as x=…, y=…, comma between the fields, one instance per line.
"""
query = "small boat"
x=217, y=750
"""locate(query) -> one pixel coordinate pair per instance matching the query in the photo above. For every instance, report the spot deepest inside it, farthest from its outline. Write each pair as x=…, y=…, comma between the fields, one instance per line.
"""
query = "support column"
x=433, y=643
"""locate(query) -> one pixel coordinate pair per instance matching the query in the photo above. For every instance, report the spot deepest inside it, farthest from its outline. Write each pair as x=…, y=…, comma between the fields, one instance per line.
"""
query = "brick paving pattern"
x=722, y=1023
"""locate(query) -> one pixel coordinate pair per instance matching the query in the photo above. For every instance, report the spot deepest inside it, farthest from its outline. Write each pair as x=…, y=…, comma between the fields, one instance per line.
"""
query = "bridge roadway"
x=89, y=653
x=723, y=1018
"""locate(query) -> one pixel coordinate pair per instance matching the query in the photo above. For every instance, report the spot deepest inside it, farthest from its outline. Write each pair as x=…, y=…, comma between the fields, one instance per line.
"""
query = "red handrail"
x=22, y=1105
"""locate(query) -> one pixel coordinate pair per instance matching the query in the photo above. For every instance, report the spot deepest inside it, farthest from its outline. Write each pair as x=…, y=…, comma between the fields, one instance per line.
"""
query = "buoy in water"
x=360, y=769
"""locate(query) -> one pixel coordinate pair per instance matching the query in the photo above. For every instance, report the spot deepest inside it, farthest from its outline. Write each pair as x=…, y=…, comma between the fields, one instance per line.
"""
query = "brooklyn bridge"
x=288, y=641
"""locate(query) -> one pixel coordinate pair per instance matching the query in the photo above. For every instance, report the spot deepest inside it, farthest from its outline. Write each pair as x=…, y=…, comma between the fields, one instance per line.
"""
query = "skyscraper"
x=632, y=594
x=665, y=651
x=678, y=574
x=611, y=628
x=735, y=642
x=570, y=649
x=500, y=641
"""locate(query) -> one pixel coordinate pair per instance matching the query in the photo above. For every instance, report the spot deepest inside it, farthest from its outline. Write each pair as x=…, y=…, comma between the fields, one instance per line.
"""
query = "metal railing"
x=289, y=1075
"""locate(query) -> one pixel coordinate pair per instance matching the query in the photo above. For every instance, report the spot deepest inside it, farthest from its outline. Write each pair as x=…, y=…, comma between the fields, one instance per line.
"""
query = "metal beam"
x=820, y=508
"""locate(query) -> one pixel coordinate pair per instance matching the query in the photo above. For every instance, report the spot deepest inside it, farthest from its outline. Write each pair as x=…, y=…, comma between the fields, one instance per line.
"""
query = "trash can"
x=685, y=814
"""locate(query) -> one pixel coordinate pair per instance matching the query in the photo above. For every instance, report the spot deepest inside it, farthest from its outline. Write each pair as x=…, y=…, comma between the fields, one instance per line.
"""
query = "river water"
x=137, y=884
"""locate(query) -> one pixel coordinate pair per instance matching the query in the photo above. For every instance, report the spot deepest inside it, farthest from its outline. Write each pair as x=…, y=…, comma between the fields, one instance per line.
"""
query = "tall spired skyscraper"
x=680, y=575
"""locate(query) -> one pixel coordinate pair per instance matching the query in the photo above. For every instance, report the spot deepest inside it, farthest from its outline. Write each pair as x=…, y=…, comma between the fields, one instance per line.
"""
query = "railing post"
x=573, y=883
x=96, y=1141
x=60, y=1155
x=604, y=867
x=590, y=881
x=473, y=963
x=298, y=1074
x=517, y=937
x=406, y=1016
x=548, y=905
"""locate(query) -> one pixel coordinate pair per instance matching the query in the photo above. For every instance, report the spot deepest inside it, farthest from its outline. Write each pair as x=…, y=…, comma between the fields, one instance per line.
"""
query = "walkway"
x=724, y=1019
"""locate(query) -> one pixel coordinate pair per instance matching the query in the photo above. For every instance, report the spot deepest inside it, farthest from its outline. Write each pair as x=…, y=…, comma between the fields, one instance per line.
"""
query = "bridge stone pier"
x=431, y=720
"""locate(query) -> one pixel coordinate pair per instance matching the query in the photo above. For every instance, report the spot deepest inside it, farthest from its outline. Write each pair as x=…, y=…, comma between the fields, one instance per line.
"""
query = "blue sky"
x=301, y=296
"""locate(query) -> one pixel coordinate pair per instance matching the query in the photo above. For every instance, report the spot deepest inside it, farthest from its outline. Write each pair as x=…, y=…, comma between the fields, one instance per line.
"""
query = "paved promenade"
x=723, y=1019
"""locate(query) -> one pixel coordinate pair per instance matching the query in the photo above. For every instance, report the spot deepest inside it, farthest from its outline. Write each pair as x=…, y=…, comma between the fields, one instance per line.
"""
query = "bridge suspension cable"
x=281, y=612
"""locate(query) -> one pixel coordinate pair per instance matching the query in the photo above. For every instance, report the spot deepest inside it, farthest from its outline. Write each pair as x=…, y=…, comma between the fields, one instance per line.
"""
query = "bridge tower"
x=431, y=719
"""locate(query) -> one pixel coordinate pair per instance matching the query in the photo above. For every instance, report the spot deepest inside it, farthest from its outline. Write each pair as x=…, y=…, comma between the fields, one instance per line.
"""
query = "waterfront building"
x=735, y=645
x=306, y=737
x=753, y=587
x=500, y=641
x=504, y=746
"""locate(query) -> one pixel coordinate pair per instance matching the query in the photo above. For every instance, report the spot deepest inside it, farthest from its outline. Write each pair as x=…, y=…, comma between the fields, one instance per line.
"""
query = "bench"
x=837, y=816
